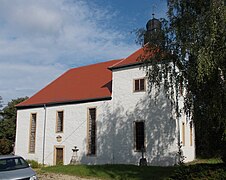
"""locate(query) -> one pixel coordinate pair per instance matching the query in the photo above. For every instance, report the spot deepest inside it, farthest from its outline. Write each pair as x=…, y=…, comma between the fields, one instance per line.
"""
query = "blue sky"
x=41, y=39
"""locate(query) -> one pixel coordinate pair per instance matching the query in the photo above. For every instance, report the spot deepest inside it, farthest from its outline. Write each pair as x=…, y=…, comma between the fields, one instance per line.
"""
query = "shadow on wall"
x=115, y=134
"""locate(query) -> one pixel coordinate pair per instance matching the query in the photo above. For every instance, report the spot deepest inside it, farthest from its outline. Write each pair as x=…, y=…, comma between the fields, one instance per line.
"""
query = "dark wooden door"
x=59, y=156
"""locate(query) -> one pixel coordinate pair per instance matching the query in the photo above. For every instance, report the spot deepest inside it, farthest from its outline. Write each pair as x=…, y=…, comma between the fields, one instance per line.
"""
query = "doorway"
x=59, y=155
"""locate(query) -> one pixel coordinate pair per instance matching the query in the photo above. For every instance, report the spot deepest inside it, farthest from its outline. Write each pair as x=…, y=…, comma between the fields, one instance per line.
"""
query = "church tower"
x=154, y=34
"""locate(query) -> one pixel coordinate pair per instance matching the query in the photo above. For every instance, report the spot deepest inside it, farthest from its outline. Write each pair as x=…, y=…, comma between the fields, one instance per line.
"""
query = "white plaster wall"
x=161, y=125
x=74, y=134
x=188, y=148
x=115, y=127
x=22, y=133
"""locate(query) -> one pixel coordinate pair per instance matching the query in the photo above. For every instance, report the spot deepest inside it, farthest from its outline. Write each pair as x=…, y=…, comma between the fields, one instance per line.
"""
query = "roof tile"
x=87, y=82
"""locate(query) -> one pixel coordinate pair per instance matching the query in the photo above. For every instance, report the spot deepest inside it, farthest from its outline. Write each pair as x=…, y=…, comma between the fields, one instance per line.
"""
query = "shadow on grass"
x=132, y=172
x=114, y=171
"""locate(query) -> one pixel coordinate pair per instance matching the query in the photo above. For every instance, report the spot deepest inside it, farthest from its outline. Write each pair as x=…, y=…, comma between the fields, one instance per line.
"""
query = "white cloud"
x=30, y=18
x=41, y=39
x=19, y=80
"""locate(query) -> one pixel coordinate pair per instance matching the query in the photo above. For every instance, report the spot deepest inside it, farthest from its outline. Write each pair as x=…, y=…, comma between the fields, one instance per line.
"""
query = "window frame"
x=191, y=133
x=30, y=131
x=139, y=89
x=62, y=123
x=135, y=136
x=88, y=146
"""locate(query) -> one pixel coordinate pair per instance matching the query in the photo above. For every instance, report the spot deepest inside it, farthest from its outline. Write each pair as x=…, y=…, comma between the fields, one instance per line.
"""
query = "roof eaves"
x=126, y=65
x=48, y=104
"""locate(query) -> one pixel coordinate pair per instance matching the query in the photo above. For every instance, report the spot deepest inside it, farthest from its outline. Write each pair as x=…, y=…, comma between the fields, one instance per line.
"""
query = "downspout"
x=44, y=137
x=114, y=122
x=178, y=142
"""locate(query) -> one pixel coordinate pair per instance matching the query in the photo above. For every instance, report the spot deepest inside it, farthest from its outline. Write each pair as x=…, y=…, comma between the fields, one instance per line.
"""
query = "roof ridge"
x=98, y=63
x=121, y=60
x=126, y=57
x=131, y=59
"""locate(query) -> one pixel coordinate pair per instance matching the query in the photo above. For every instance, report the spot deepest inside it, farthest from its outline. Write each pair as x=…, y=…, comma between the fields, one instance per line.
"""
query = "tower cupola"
x=153, y=25
x=153, y=31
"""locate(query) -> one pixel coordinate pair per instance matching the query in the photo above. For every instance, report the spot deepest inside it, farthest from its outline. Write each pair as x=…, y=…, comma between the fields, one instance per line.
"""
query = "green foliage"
x=193, y=57
x=34, y=164
x=206, y=161
x=223, y=154
x=8, y=126
x=5, y=146
x=0, y=108
x=200, y=171
x=0, y=101
x=180, y=154
x=200, y=31
x=200, y=35
x=9, y=112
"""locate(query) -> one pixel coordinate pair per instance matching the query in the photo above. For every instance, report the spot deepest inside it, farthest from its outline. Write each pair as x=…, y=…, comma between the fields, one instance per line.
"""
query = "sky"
x=41, y=39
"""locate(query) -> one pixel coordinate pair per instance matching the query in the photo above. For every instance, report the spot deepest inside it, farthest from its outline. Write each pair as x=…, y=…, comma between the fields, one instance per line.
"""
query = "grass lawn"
x=199, y=169
x=113, y=171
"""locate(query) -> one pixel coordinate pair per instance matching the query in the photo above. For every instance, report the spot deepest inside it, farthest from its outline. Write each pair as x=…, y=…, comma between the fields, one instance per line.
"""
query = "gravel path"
x=53, y=176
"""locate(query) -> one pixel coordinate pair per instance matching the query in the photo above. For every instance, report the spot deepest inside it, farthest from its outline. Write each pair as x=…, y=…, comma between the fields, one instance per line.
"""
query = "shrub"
x=223, y=157
x=200, y=171
x=223, y=152
x=5, y=146
x=34, y=164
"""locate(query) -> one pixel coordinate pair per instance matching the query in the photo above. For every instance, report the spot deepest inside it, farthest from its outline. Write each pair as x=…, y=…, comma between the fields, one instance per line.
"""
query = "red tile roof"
x=135, y=58
x=132, y=59
x=83, y=83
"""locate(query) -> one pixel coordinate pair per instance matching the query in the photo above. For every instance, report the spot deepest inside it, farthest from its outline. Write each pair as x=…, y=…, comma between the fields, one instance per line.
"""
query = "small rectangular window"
x=139, y=136
x=60, y=121
x=91, y=131
x=32, y=134
x=191, y=134
x=183, y=133
x=139, y=85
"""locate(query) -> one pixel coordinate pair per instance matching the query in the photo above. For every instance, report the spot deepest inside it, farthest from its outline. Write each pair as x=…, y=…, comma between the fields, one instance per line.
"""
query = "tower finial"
x=153, y=10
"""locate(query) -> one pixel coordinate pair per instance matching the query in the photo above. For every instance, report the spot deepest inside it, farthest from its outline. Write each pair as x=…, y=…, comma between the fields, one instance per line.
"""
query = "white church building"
x=102, y=114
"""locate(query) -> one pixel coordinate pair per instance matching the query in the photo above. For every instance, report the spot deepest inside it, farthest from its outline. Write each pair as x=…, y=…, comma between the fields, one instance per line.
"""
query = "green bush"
x=5, y=146
x=34, y=164
x=200, y=171
x=223, y=151
x=224, y=157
